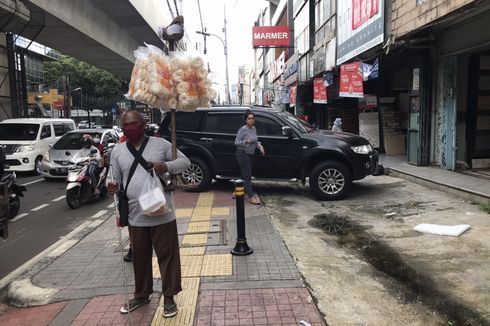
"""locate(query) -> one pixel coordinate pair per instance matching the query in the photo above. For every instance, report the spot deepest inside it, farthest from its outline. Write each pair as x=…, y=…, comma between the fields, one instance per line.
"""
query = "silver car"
x=55, y=165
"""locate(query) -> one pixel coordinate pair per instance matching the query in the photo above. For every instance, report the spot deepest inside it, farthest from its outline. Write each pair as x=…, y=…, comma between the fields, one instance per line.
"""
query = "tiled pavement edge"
x=265, y=288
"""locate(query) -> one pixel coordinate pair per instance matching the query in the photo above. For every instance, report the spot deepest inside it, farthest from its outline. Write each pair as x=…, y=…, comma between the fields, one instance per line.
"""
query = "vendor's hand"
x=112, y=187
x=160, y=167
x=262, y=150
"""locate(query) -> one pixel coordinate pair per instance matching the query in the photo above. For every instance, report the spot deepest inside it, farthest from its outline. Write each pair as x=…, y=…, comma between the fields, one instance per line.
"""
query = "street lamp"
x=81, y=104
x=225, y=47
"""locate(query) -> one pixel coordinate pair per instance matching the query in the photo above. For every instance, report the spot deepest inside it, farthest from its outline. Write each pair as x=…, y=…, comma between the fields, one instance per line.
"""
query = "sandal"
x=254, y=200
x=133, y=305
x=169, y=310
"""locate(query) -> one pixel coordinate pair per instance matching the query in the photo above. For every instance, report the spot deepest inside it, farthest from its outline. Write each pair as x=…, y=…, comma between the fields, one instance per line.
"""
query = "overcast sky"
x=240, y=16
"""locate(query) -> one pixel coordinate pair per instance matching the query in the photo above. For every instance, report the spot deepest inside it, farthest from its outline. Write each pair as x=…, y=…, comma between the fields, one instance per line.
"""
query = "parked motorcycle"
x=79, y=188
x=14, y=192
x=4, y=211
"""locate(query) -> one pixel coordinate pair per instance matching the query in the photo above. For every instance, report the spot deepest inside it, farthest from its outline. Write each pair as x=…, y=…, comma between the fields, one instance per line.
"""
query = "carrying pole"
x=173, y=124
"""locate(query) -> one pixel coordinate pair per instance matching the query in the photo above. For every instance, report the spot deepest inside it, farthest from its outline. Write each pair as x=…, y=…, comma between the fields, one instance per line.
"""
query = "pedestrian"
x=149, y=232
x=247, y=142
x=337, y=125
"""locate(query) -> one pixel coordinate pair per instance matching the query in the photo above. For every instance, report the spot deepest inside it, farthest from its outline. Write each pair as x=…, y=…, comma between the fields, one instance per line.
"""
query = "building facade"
x=412, y=76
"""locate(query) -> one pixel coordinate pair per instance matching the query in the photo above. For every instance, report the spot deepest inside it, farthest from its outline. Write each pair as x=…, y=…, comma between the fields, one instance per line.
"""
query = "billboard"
x=319, y=91
x=360, y=27
x=273, y=36
x=351, y=84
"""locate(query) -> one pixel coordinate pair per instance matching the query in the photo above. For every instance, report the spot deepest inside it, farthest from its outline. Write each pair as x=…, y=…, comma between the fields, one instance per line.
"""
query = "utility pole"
x=225, y=48
x=226, y=58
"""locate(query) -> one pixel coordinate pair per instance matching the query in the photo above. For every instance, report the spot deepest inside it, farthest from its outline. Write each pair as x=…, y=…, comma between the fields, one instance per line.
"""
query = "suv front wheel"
x=330, y=180
x=198, y=175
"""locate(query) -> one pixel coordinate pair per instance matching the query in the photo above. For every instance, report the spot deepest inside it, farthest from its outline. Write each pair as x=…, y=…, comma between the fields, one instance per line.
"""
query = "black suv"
x=294, y=149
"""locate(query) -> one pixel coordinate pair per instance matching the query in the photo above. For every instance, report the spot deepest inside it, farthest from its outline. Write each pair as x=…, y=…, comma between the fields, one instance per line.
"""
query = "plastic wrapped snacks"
x=179, y=82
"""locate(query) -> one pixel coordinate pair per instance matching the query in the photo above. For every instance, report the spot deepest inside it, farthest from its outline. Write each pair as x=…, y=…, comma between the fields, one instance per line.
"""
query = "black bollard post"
x=241, y=246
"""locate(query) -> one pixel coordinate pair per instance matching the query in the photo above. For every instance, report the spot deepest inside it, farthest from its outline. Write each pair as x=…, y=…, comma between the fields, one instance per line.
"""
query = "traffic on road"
x=43, y=219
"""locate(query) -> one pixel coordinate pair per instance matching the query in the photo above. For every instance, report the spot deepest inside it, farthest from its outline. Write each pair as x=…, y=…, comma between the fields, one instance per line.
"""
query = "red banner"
x=319, y=91
x=362, y=10
x=58, y=105
x=351, y=84
x=292, y=96
x=270, y=36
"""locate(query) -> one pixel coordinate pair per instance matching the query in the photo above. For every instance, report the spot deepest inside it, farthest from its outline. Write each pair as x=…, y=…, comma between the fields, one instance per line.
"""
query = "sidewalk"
x=264, y=288
x=464, y=186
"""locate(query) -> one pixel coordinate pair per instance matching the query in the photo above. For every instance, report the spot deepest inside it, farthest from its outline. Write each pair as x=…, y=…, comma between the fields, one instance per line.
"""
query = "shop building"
x=435, y=75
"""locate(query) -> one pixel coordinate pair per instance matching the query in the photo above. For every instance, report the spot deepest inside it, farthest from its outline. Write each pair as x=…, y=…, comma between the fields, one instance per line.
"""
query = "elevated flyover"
x=103, y=33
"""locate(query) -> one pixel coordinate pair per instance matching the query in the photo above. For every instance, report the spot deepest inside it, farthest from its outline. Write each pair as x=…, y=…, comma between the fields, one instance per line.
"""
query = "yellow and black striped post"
x=241, y=247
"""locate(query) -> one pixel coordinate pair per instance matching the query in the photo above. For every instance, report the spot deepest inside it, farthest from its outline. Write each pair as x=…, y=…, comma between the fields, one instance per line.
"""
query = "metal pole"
x=225, y=44
x=241, y=246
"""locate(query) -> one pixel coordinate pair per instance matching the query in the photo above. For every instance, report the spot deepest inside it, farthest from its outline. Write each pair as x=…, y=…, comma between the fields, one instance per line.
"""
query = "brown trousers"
x=164, y=239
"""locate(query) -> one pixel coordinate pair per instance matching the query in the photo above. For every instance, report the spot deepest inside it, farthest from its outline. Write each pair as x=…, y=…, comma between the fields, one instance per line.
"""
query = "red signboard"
x=270, y=36
x=58, y=105
x=362, y=10
x=292, y=96
x=319, y=91
x=351, y=84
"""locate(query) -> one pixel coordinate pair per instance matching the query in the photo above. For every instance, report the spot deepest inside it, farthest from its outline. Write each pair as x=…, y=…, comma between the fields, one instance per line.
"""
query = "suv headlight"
x=363, y=149
x=24, y=148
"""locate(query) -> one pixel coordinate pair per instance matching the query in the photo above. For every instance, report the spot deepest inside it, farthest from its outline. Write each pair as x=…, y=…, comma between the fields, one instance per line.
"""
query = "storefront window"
x=302, y=30
x=325, y=22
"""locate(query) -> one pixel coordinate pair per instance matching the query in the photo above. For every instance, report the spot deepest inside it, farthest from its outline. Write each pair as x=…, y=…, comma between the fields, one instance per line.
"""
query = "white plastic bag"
x=152, y=199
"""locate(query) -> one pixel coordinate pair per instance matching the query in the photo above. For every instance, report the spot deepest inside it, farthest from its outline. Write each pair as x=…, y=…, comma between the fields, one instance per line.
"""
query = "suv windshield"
x=18, y=131
x=300, y=125
x=73, y=140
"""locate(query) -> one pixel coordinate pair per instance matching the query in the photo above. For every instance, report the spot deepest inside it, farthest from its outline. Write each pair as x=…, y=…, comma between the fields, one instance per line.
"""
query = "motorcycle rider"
x=95, y=159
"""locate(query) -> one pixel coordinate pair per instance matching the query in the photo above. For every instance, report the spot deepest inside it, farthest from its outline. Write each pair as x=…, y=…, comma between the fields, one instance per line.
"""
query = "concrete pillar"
x=5, y=103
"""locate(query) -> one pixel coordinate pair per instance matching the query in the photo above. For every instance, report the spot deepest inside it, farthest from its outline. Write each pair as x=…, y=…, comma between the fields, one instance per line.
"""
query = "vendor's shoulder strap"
x=138, y=158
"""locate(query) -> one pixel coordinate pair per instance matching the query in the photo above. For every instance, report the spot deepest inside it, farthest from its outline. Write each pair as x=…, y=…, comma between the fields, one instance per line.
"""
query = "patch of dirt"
x=402, y=281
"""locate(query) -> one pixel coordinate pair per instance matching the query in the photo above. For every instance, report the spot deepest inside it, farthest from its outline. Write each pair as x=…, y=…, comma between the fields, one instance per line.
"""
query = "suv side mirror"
x=287, y=131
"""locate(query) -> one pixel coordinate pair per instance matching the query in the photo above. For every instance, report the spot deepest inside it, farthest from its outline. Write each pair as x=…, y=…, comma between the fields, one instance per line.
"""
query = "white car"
x=55, y=164
x=26, y=140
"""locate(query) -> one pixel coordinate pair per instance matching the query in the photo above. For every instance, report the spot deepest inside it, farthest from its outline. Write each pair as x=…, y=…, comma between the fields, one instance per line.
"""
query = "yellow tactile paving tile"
x=205, y=199
x=198, y=227
x=217, y=265
x=195, y=239
x=201, y=214
x=203, y=210
x=220, y=211
x=183, y=212
x=191, y=266
x=192, y=251
x=186, y=303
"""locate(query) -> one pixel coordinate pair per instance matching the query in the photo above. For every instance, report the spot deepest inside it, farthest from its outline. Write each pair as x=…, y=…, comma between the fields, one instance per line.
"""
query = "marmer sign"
x=274, y=36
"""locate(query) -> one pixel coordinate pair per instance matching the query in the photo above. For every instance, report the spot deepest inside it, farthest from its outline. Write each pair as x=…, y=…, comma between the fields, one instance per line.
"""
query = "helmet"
x=87, y=140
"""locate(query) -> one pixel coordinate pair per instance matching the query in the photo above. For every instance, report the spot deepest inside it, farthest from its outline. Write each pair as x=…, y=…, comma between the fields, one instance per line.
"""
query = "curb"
x=47, y=256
